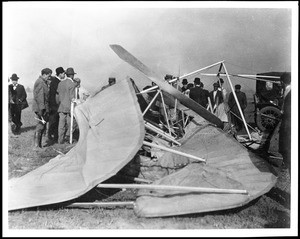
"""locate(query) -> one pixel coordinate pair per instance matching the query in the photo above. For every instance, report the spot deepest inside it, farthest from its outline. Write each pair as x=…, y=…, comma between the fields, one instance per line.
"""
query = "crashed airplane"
x=200, y=170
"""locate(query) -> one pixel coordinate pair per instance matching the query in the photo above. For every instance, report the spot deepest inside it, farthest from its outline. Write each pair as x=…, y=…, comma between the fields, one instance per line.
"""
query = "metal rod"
x=197, y=71
x=173, y=151
x=237, y=102
x=101, y=204
x=151, y=102
x=174, y=188
x=165, y=111
x=252, y=77
x=209, y=104
x=181, y=77
x=162, y=133
x=242, y=120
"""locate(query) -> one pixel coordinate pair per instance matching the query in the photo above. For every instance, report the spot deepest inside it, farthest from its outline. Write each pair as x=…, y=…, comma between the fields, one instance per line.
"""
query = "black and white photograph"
x=161, y=119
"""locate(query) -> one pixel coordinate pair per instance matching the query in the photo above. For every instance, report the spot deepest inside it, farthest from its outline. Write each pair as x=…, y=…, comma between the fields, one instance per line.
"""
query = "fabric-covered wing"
x=111, y=132
x=229, y=166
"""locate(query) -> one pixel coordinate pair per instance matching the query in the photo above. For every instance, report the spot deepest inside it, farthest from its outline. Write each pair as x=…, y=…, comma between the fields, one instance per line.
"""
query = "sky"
x=169, y=37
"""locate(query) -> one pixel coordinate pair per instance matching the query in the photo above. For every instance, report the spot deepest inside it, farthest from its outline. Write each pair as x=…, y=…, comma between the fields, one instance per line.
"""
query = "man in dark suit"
x=53, y=105
x=233, y=107
x=18, y=101
x=198, y=94
x=285, y=126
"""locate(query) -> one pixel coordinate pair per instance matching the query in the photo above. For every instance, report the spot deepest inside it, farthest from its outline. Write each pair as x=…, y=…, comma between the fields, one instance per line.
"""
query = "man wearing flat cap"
x=17, y=102
x=40, y=105
x=235, y=115
x=53, y=106
x=66, y=94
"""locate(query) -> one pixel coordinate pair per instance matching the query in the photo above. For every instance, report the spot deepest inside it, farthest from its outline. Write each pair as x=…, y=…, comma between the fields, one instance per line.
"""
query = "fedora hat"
x=14, y=77
x=70, y=71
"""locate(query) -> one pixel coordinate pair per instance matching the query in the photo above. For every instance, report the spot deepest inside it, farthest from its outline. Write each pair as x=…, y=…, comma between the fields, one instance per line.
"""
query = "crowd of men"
x=216, y=100
x=54, y=99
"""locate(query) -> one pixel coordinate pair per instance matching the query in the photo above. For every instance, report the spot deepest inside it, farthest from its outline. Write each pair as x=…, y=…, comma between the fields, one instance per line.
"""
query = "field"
x=271, y=210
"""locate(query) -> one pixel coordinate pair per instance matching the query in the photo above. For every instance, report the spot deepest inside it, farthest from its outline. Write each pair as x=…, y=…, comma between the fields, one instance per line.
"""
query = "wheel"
x=267, y=118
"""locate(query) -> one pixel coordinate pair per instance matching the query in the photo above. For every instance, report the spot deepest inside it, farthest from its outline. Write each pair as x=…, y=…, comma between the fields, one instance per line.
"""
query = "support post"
x=237, y=102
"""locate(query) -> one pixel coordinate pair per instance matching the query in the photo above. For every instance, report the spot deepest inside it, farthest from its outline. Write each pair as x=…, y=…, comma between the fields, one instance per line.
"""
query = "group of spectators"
x=53, y=98
x=216, y=100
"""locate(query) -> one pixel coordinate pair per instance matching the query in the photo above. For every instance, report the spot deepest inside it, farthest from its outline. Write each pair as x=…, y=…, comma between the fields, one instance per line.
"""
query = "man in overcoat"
x=66, y=94
x=235, y=115
x=17, y=102
x=40, y=105
x=53, y=105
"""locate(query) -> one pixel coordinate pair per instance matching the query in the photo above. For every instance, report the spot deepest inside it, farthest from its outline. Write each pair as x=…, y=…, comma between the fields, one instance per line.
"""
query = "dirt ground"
x=271, y=210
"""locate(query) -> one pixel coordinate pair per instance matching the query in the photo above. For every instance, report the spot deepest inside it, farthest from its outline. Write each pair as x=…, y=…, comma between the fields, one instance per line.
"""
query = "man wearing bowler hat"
x=66, y=93
x=198, y=94
x=184, y=85
x=18, y=101
x=53, y=105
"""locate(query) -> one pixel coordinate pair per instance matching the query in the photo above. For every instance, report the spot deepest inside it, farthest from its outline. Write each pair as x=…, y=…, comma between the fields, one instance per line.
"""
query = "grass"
x=268, y=211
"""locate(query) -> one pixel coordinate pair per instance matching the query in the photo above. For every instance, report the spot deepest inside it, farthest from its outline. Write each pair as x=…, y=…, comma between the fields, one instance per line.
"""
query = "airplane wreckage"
x=190, y=165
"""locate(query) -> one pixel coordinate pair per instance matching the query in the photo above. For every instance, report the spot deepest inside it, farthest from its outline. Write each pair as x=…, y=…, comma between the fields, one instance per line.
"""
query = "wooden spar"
x=173, y=151
x=150, y=103
x=176, y=102
x=165, y=111
x=175, y=188
x=162, y=133
x=209, y=104
x=197, y=71
x=252, y=77
x=181, y=77
x=237, y=102
x=71, y=124
x=101, y=204
x=72, y=115
x=186, y=120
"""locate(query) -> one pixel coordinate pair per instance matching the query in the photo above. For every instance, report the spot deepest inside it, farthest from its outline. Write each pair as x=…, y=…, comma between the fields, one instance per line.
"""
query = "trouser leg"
x=69, y=130
x=16, y=115
x=61, y=127
x=53, y=125
x=40, y=128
